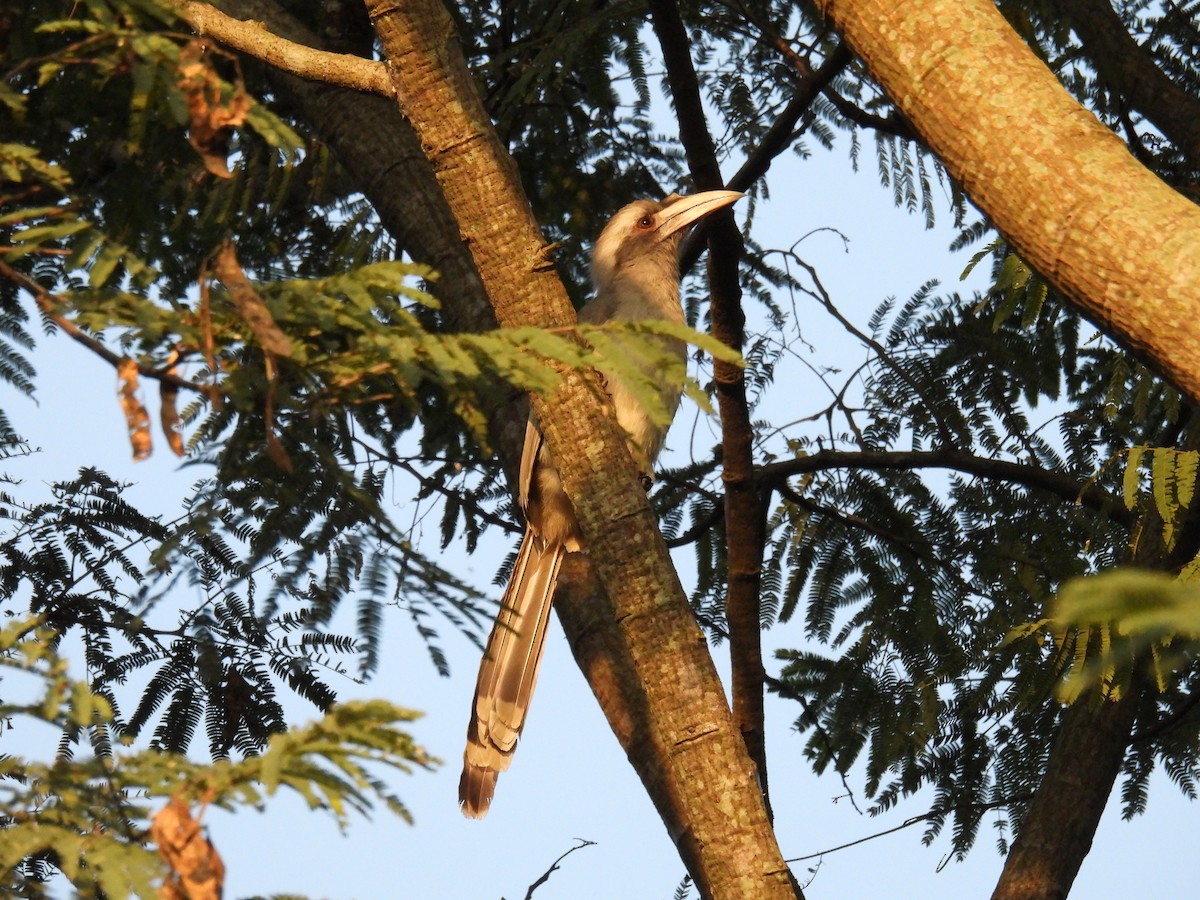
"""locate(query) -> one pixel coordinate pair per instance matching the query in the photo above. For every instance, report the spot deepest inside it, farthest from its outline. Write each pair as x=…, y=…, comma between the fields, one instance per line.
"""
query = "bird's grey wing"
x=529, y=457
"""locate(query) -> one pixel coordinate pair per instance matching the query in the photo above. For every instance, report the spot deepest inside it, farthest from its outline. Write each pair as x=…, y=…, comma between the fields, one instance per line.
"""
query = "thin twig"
x=47, y=302
x=915, y=820
x=1063, y=486
x=554, y=866
x=784, y=690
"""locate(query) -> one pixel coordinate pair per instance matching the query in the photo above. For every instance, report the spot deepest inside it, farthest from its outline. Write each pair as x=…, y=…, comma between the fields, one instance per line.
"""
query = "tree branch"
x=785, y=690
x=895, y=124
x=1066, y=487
x=775, y=141
x=1081, y=220
x=47, y=303
x=554, y=866
x=253, y=39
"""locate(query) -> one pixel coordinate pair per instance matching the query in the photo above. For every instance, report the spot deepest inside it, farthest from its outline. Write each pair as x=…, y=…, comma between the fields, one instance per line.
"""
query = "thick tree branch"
x=1066, y=193
x=383, y=156
x=1055, y=835
x=745, y=511
x=254, y=39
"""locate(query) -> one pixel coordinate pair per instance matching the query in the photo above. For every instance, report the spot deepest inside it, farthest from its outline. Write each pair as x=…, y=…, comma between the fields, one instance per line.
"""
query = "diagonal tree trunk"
x=691, y=757
x=1085, y=760
x=1061, y=822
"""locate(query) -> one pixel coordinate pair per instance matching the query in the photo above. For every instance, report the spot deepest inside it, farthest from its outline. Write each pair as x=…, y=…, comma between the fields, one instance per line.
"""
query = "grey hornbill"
x=635, y=271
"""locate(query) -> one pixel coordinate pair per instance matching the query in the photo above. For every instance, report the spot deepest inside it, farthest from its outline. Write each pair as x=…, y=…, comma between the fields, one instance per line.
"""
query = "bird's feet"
x=545, y=256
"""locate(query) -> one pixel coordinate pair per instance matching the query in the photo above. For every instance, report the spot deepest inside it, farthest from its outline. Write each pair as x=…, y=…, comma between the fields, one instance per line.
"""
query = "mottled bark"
x=1113, y=238
x=689, y=753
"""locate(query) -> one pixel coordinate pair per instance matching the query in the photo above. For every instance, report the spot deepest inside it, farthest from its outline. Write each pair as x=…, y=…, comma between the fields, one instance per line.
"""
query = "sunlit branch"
x=253, y=38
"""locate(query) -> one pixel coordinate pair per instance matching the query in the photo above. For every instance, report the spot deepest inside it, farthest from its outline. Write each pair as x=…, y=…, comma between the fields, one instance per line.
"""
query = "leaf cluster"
x=914, y=580
x=88, y=818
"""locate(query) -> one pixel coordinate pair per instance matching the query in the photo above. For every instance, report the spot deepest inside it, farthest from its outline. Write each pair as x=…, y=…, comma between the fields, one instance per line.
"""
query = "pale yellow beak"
x=684, y=211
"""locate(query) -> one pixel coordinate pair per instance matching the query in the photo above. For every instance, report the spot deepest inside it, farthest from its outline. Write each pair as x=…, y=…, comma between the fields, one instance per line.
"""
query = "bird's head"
x=648, y=232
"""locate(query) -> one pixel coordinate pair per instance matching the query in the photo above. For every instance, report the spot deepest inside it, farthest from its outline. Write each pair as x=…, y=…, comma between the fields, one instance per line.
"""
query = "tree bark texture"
x=696, y=762
x=744, y=510
x=1067, y=194
x=1061, y=821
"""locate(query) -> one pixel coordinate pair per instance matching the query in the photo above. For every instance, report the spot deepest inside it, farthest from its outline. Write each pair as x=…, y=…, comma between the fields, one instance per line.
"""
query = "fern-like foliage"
x=914, y=580
x=87, y=818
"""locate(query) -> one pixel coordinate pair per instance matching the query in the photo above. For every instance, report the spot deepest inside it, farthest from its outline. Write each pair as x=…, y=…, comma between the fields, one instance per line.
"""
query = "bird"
x=635, y=274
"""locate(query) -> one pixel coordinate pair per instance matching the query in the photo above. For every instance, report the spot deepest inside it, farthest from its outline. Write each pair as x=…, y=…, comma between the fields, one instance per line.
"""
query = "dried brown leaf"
x=136, y=417
x=168, y=413
x=197, y=872
x=210, y=114
x=248, y=303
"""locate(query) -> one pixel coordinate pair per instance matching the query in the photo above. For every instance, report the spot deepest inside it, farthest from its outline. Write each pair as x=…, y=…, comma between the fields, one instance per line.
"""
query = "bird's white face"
x=647, y=226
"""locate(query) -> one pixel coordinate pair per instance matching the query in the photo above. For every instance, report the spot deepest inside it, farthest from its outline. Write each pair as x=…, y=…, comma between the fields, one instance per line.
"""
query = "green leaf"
x=105, y=264
x=1162, y=482
x=1186, y=462
x=1141, y=600
x=980, y=256
x=1131, y=483
x=41, y=234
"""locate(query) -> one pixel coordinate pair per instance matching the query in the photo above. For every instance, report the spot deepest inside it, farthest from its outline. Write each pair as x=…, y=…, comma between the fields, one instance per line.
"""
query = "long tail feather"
x=508, y=672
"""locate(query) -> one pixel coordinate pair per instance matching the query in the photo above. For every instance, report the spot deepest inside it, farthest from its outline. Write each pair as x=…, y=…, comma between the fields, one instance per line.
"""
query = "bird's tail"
x=508, y=672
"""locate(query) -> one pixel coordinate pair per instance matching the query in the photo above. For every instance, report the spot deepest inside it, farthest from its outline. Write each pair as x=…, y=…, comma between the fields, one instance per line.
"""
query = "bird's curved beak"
x=684, y=211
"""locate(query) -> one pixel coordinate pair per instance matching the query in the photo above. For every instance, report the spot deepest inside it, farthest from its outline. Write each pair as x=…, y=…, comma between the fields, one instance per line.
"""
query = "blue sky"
x=570, y=779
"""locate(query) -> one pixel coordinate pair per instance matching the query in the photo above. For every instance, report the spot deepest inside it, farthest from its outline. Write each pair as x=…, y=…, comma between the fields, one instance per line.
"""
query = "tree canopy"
x=240, y=210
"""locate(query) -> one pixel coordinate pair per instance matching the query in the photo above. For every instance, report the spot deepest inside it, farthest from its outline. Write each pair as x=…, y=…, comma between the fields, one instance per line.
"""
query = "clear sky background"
x=569, y=779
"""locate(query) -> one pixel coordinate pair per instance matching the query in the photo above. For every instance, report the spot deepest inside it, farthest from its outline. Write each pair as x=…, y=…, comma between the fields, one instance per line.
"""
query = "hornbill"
x=635, y=271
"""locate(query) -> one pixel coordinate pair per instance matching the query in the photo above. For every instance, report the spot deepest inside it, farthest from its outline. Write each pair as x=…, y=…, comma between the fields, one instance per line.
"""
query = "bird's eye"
x=646, y=222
